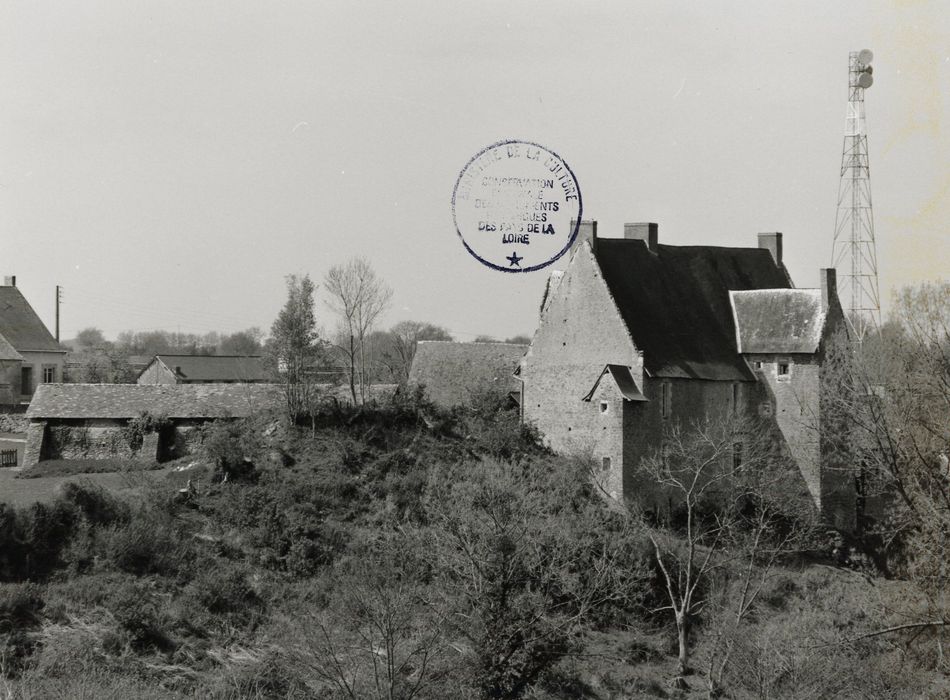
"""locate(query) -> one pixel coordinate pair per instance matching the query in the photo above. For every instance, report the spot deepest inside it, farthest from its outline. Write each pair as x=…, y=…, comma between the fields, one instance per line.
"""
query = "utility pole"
x=59, y=299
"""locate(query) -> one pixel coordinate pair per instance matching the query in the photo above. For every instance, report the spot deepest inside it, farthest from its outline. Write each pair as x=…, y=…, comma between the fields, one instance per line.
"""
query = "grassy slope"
x=117, y=624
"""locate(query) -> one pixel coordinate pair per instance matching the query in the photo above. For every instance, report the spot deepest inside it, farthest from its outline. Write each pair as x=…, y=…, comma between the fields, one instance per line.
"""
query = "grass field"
x=23, y=492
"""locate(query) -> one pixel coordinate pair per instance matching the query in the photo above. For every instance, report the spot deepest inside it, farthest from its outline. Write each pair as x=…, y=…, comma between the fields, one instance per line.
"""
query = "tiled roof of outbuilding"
x=213, y=368
x=20, y=325
x=131, y=400
x=778, y=320
x=452, y=371
x=675, y=302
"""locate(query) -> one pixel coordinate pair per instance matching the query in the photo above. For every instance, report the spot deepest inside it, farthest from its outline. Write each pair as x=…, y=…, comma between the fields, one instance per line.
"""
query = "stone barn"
x=96, y=421
x=203, y=369
x=635, y=336
x=452, y=373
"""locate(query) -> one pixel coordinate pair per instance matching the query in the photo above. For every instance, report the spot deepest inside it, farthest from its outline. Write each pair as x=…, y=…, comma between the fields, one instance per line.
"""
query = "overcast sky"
x=168, y=163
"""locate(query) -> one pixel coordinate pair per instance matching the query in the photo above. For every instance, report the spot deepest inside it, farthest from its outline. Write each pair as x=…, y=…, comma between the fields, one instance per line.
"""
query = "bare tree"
x=358, y=297
x=894, y=393
x=382, y=635
x=715, y=473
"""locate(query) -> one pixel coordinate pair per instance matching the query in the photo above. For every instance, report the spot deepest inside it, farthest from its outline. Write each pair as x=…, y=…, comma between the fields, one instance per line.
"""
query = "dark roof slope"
x=452, y=372
x=131, y=400
x=20, y=325
x=778, y=320
x=623, y=377
x=214, y=368
x=675, y=302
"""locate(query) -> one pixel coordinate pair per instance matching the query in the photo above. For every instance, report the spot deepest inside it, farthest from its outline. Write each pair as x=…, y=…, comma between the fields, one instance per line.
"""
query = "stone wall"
x=35, y=443
x=106, y=439
x=89, y=439
x=580, y=332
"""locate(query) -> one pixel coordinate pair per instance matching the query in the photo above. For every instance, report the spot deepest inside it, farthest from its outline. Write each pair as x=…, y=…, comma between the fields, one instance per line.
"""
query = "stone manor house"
x=635, y=336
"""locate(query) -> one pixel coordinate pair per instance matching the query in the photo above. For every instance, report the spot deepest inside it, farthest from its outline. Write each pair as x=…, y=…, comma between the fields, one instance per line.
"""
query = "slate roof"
x=452, y=371
x=778, y=320
x=624, y=380
x=675, y=303
x=20, y=325
x=116, y=401
x=131, y=400
x=213, y=368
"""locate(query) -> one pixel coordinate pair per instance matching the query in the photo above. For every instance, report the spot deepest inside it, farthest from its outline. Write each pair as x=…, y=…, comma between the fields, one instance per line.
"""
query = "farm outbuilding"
x=92, y=421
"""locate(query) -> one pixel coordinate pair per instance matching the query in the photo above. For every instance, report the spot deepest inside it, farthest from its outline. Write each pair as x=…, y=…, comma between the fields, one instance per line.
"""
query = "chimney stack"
x=828, y=281
x=9, y=281
x=649, y=233
x=772, y=242
x=587, y=231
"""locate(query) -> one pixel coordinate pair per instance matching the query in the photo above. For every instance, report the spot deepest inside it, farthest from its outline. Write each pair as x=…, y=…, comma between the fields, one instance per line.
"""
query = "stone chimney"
x=829, y=286
x=772, y=242
x=648, y=233
x=587, y=232
x=9, y=281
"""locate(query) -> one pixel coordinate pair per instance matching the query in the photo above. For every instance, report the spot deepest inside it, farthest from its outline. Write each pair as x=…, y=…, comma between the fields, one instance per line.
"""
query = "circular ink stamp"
x=517, y=206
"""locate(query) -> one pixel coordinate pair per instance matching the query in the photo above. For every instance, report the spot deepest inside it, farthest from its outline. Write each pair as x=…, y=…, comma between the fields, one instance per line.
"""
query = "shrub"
x=94, y=503
x=20, y=605
x=137, y=428
x=233, y=447
x=138, y=618
x=225, y=592
x=146, y=545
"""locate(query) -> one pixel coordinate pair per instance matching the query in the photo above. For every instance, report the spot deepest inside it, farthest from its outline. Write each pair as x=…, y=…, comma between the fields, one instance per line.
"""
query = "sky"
x=169, y=163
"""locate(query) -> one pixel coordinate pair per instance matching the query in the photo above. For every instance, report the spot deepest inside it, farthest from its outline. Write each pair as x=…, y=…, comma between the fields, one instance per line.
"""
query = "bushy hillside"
x=400, y=552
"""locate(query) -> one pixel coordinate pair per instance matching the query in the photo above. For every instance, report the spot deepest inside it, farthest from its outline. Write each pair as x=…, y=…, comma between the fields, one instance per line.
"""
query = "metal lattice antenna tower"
x=854, y=255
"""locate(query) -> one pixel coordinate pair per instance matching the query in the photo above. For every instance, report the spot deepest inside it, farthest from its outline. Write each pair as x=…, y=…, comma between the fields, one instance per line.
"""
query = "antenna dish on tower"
x=865, y=80
x=865, y=56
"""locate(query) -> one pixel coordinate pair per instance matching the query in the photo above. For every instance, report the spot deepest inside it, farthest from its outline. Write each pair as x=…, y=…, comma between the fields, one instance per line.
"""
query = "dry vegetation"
x=399, y=552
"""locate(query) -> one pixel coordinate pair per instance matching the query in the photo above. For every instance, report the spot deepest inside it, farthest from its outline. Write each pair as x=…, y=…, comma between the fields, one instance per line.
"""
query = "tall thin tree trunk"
x=682, y=630
x=352, y=369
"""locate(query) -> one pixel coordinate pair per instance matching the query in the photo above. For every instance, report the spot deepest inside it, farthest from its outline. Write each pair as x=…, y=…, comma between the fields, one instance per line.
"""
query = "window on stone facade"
x=603, y=406
x=783, y=370
x=666, y=399
x=605, y=463
x=757, y=364
x=735, y=399
x=49, y=375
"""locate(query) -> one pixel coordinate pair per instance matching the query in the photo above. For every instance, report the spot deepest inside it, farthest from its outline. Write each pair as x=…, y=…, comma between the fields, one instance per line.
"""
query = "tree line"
x=348, y=346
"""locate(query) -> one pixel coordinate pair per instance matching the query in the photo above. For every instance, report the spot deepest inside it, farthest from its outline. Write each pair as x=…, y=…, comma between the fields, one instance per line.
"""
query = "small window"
x=666, y=399
x=605, y=464
x=735, y=399
x=736, y=455
x=603, y=406
x=783, y=369
x=49, y=375
x=757, y=364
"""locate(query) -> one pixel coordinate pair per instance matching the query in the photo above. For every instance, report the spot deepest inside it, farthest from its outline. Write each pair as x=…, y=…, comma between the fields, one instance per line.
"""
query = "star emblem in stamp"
x=517, y=206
